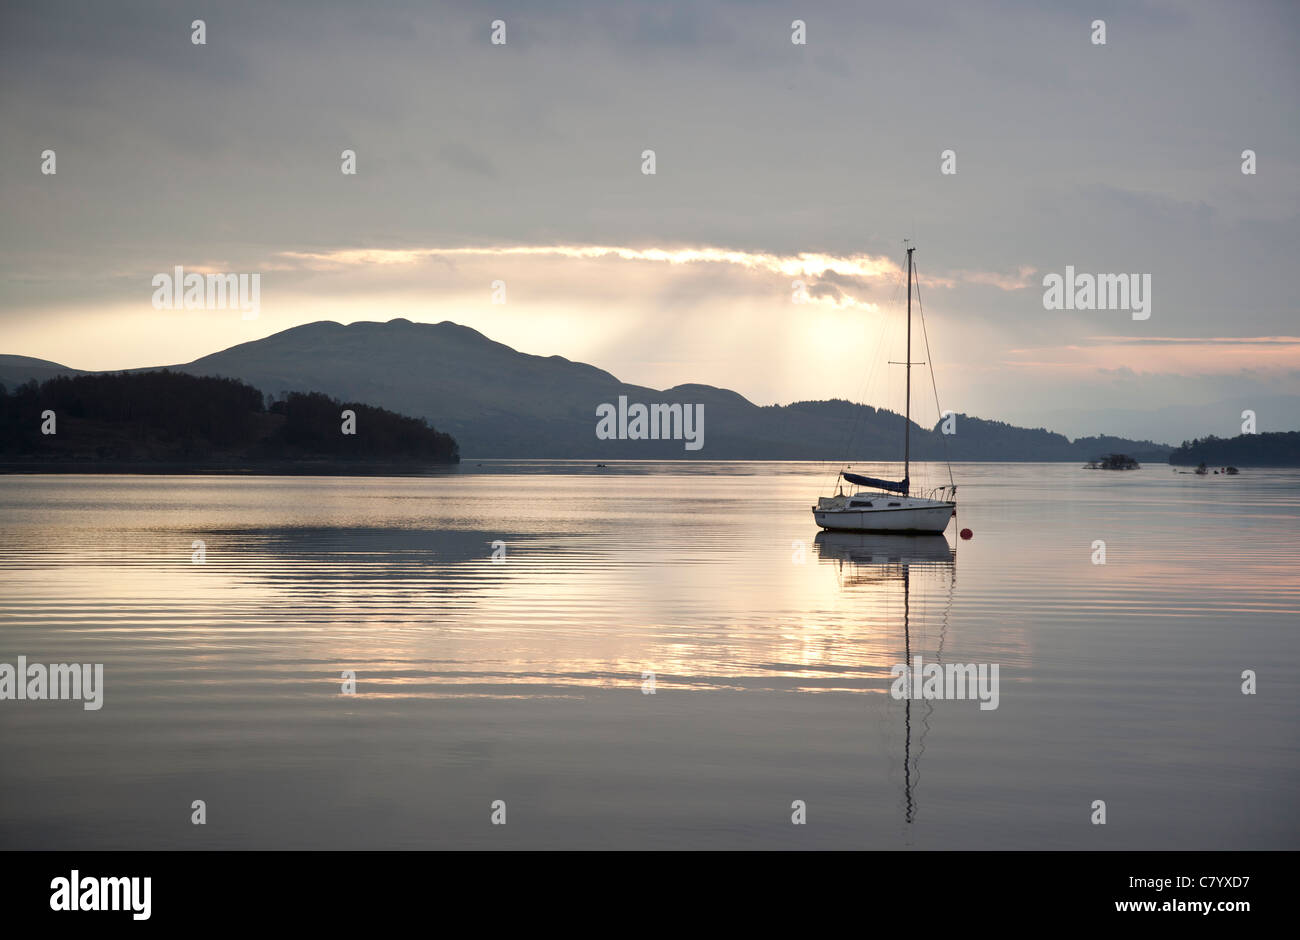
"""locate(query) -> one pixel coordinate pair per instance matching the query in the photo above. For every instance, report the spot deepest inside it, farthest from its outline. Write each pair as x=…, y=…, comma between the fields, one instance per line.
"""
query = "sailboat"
x=889, y=505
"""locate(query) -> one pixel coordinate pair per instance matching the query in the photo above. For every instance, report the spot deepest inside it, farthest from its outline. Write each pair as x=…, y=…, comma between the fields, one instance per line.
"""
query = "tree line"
x=1268, y=449
x=165, y=415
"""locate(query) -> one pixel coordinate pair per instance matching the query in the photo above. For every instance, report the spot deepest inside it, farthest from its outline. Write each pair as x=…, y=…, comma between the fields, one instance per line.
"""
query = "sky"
x=775, y=162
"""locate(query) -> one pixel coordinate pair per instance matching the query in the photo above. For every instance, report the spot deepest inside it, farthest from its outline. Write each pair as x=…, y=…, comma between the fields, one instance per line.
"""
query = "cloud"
x=807, y=264
x=1186, y=356
x=1197, y=340
x=825, y=289
x=828, y=278
x=1024, y=277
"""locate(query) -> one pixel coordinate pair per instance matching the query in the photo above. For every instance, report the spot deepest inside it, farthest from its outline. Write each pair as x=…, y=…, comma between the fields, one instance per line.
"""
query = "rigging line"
x=929, y=356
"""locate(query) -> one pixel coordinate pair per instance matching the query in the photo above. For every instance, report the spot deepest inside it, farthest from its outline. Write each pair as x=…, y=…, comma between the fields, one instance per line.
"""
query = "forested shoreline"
x=174, y=418
x=1269, y=449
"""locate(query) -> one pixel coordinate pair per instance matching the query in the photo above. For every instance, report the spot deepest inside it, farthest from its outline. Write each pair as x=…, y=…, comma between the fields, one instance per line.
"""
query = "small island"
x=172, y=422
x=1113, y=462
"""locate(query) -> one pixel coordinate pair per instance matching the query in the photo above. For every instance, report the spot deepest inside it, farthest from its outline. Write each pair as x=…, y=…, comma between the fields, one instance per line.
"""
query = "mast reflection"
x=864, y=559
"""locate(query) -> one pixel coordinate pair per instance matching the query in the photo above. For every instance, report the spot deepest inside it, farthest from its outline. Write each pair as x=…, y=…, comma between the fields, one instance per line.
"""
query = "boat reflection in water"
x=866, y=559
x=881, y=549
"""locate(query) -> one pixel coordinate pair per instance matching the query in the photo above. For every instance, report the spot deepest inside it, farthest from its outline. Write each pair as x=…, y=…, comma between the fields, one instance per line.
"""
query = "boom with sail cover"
x=888, y=485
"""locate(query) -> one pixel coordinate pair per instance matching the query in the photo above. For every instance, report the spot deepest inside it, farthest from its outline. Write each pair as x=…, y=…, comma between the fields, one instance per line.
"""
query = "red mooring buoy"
x=966, y=533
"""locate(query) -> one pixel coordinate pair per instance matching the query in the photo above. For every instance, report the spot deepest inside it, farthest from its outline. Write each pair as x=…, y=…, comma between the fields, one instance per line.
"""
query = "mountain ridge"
x=499, y=402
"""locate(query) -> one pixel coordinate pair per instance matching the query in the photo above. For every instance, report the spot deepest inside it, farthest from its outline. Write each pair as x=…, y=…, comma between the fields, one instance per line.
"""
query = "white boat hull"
x=909, y=515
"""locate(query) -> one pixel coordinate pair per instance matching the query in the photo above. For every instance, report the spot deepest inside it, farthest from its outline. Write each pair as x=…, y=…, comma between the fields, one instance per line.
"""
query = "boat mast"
x=907, y=413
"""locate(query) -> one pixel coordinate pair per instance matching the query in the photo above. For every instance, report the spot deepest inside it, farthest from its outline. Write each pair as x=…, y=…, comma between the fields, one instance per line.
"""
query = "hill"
x=498, y=402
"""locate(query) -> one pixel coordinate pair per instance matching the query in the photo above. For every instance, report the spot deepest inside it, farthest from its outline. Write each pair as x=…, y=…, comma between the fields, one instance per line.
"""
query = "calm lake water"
x=523, y=679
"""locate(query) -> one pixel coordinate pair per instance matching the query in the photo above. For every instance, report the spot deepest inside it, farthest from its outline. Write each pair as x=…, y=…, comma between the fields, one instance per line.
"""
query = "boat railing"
x=945, y=493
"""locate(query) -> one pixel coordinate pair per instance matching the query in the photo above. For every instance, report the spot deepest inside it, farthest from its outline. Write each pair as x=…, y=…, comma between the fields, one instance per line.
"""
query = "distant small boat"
x=1232, y=471
x=600, y=465
x=888, y=505
x=1202, y=470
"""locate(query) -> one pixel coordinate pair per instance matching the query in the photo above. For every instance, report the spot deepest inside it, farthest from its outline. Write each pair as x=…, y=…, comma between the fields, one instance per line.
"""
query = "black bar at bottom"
x=653, y=890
